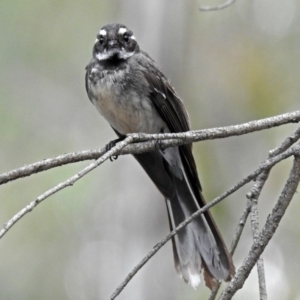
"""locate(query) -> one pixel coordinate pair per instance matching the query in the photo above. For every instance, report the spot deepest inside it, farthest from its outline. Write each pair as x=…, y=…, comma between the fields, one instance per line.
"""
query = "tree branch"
x=234, y=243
x=295, y=150
x=260, y=261
x=143, y=143
x=253, y=196
x=287, y=143
x=254, y=193
x=167, y=140
x=267, y=232
x=69, y=182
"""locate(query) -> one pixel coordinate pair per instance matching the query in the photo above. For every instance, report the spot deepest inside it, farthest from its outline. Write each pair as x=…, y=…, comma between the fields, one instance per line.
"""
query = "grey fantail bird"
x=130, y=91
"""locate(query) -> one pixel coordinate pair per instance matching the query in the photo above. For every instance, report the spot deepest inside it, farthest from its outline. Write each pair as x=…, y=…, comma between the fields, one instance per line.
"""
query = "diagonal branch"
x=254, y=193
x=255, y=233
x=234, y=243
x=253, y=196
x=149, y=144
x=69, y=182
x=287, y=143
x=267, y=232
x=168, y=140
x=264, y=166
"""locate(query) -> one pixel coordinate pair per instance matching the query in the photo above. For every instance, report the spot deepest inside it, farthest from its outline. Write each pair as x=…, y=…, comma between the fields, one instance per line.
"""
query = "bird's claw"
x=112, y=144
x=159, y=145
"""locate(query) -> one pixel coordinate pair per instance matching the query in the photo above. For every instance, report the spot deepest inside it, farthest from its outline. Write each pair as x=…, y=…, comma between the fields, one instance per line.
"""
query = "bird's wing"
x=171, y=109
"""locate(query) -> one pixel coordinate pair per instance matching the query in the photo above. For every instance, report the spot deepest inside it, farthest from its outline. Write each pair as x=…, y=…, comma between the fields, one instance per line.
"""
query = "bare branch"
x=218, y=7
x=221, y=132
x=240, y=228
x=287, y=143
x=254, y=194
x=50, y=163
x=267, y=232
x=234, y=243
x=69, y=182
x=266, y=165
x=260, y=261
x=169, y=140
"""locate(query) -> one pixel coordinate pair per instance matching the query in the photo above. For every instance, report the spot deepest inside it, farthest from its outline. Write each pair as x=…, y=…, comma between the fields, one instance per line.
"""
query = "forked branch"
x=138, y=143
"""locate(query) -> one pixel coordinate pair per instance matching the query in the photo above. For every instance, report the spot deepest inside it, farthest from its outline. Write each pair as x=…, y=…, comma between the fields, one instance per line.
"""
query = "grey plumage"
x=128, y=88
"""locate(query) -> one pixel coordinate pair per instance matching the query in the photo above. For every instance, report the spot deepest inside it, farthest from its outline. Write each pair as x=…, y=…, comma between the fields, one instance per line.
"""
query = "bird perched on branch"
x=130, y=91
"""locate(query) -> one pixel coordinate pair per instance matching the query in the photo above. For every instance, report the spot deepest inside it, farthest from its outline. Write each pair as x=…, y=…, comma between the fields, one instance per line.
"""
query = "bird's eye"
x=101, y=39
x=126, y=37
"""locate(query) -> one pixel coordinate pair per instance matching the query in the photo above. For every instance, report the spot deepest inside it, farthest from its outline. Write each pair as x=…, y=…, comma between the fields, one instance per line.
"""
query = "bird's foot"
x=112, y=144
x=159, y=145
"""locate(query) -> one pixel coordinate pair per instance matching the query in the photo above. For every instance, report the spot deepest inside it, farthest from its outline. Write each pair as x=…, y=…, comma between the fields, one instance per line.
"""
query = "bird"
x=131, y=92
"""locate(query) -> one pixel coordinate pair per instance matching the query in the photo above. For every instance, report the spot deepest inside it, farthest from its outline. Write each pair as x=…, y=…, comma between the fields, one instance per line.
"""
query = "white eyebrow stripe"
x=122, y=30
x=102, y=32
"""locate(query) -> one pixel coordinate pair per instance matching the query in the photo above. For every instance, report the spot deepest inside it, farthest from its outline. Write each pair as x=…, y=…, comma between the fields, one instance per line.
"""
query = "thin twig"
x=69, y=182
x=168, y=140
x=215, y=291
x=240, y=228
x=267, y=232
x=253, y=196
x=234, y=243
x=287, y=143
x=264, y=166
x=260, y=261
x=255, y=192
x=218, y=7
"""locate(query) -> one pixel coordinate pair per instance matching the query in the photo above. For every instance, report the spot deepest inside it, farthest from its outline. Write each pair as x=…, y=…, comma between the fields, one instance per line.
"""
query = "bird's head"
x=114, y=42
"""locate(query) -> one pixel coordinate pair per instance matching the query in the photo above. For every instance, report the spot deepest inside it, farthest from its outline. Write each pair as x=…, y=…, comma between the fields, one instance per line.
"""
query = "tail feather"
x=188, y=262
x=199, y=245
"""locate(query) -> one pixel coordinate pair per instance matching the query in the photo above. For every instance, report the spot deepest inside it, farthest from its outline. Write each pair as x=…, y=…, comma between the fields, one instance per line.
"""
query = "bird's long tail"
x=199, y=245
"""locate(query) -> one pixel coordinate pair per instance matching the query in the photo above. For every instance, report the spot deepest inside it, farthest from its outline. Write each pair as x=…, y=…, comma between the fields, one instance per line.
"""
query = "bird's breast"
x=125, y=110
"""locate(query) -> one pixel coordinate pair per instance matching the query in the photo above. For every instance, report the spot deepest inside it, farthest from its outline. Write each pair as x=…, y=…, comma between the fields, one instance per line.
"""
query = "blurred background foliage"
x=229, y=66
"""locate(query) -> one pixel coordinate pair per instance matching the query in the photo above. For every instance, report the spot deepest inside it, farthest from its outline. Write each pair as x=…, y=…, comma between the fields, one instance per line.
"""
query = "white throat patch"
x=106, y=55
x=102, y=56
